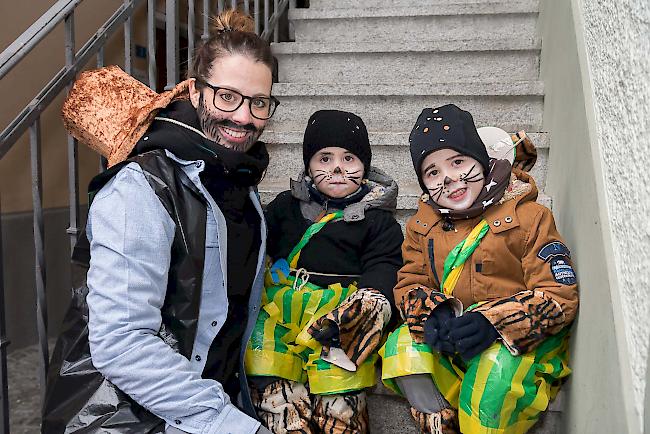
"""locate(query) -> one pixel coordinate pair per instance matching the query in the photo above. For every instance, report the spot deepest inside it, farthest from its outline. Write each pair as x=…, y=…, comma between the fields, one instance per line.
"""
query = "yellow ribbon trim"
x=327, y=218
x=450, y=282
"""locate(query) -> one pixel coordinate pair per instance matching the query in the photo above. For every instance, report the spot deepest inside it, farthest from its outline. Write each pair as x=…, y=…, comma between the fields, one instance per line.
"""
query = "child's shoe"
x=443, y=422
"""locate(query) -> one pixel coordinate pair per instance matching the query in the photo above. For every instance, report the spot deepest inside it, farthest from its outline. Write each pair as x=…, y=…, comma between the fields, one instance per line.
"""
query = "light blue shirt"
x=131, y=235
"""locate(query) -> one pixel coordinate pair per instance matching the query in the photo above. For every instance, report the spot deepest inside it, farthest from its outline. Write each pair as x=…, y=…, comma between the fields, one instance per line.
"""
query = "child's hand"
x=436, y=329
x=326, y=332
x=356, y=325
x=471, y=334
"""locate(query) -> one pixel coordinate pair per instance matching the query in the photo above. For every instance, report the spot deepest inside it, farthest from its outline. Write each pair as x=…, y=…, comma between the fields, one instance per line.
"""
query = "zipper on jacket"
x=433, y=264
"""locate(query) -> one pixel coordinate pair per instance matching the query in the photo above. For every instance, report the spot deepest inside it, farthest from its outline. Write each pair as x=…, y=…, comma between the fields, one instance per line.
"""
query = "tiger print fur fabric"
x=341, y=414
x=526, y=153
x=443, y=422
x=417, y=307
x=286, y=407
x=359, y=322
x=524, y=320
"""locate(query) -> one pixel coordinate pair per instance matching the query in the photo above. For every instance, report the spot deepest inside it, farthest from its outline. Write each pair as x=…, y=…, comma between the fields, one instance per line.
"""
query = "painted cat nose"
x=338, y=170
x=448, y=180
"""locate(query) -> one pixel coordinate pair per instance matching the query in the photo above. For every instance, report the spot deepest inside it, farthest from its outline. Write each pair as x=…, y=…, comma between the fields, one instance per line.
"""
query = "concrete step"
x=376, y=4
x=491, y=20
x=383, y=62
x=395, y=107
x=389, y=414
x=390, y=153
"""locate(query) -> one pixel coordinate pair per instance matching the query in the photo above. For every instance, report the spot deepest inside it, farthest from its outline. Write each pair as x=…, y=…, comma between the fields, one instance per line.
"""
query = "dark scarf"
x=496, y=182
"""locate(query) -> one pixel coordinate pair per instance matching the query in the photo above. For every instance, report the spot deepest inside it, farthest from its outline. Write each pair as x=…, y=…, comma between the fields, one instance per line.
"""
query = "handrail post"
x=151, y=43
x=39, y=248
x=128, y=41
x=4, y=389
x=73, y=167
x=276, y=28
x=190, y=32
x=171, y=27
x=267, y=14
x=292, y=31
x=102, y=160
x=206, y=20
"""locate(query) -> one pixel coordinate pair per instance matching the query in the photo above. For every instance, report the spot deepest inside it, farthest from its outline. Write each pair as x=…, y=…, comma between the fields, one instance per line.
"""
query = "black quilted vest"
x=78, y=398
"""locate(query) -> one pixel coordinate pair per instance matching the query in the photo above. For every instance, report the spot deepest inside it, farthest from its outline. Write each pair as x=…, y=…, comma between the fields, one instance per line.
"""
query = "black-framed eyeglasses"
x=229, y=100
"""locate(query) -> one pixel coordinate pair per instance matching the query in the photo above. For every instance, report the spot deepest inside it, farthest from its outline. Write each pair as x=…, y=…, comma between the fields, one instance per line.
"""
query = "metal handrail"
x=4, y=398
x=274, y=20
x=42, y=27
x=64, y=77
x=266, y=24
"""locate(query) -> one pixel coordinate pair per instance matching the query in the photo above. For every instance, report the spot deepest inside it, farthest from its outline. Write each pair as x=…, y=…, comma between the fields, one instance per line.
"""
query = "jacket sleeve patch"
x=562, y=271
x=552, y=250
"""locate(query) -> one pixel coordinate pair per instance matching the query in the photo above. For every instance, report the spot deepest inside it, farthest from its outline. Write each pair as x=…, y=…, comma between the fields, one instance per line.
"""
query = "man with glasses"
x=173, y=258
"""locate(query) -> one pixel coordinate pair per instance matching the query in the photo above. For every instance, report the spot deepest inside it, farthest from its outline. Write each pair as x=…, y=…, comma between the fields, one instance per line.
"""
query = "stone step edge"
x=409, y=193
x=460, y=88
x=409, y=46
x=452, y=9
x=540, y=139
x=337, y=4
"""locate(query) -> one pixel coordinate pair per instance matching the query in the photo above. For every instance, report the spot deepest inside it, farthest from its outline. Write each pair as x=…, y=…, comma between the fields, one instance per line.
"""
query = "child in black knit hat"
x=487, y=291
x=335, y=248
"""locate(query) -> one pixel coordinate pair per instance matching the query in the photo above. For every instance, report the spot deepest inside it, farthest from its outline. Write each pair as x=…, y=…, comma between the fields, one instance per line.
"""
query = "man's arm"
x=130, y=237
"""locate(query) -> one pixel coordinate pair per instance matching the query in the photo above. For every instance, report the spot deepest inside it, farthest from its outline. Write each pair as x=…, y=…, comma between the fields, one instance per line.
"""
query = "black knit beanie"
x=336, y=128
x=446, y=127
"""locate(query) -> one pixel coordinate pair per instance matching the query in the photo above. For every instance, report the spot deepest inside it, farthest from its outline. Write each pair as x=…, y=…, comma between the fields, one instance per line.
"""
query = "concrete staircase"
x=386, y=60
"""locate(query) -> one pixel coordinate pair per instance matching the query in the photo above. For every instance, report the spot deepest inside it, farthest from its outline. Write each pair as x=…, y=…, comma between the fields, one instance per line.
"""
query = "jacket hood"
x=382, y=195
x=522, y=188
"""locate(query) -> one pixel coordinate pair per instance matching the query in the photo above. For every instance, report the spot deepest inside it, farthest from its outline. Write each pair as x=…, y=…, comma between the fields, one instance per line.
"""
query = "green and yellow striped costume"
x=281, y=346
x=495, y=392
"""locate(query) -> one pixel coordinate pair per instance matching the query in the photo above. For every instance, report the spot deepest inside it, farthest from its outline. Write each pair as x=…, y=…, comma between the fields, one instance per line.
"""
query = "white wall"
x=586, y=111
x=617, y=39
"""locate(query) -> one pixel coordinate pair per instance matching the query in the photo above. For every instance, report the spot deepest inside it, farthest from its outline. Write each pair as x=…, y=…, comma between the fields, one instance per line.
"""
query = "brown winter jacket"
x=520, y=273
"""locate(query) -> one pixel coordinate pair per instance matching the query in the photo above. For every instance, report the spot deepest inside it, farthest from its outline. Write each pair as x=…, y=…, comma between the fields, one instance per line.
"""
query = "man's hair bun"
x=232, y=32
x=231, y=20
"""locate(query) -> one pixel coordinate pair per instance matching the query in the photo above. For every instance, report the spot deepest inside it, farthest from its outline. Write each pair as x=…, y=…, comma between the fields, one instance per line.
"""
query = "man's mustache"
x=230, y=124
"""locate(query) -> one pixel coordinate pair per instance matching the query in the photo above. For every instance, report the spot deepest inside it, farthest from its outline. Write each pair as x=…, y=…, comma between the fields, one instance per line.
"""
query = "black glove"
x=471, y=334
x=436, y=330
x=327, y=333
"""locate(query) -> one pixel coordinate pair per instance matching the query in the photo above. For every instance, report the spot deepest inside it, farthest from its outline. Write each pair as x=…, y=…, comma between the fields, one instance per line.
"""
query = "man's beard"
x=210, y=127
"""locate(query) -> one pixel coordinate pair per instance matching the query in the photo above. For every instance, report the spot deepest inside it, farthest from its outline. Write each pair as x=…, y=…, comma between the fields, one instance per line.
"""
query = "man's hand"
x=471, y=334
x=436, y=329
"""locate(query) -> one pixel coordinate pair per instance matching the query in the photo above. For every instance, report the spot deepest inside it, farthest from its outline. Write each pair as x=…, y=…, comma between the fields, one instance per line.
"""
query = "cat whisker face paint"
x=453, y=180
x=336, y=172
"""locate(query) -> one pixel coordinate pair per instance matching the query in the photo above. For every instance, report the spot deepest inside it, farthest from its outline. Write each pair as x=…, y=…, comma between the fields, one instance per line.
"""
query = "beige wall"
x=617, y=42
x=18, y=88
x=600, y=390
x=27, y=79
